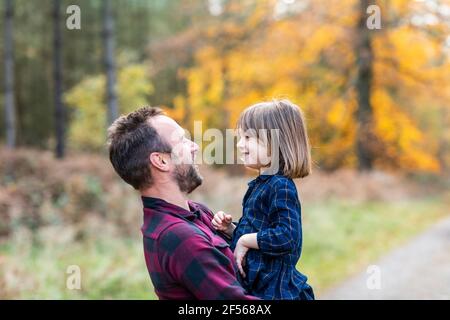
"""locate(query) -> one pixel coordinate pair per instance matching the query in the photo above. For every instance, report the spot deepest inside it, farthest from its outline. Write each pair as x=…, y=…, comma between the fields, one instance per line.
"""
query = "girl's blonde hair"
x=288, y=121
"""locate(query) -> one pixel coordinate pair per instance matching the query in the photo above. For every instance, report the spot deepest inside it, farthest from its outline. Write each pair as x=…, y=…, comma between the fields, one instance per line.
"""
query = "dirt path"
x=418, y=270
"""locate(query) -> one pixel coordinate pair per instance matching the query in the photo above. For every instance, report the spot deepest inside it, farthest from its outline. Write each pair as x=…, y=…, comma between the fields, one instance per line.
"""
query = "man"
x=185, y=257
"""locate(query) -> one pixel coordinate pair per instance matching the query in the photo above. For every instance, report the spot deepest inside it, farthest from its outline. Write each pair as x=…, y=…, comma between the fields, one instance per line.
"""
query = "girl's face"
x=254, y=153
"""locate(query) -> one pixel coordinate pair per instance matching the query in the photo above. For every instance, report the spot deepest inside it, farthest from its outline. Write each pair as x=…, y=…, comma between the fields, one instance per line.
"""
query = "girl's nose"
x=240, y=143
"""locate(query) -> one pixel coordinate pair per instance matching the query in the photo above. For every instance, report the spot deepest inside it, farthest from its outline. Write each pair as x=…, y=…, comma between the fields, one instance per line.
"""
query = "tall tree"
x=364, y=61
x=108, y=41
x=9, y=76
x=60, y=113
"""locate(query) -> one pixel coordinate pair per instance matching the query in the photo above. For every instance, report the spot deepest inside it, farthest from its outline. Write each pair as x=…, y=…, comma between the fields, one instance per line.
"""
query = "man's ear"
x=159, y=161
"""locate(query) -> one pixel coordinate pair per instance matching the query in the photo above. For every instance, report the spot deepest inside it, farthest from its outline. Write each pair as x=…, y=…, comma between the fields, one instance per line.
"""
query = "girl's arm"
x=245, y=242
x=223, y=223
x=285, y=232
x=249, y=240
x=229, y=231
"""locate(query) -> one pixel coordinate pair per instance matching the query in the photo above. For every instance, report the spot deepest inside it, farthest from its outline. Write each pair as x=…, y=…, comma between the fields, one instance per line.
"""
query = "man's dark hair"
x=131, y=140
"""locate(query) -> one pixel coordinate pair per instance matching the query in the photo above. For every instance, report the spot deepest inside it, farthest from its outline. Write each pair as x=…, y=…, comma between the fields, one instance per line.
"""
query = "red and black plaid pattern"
x=185, y=257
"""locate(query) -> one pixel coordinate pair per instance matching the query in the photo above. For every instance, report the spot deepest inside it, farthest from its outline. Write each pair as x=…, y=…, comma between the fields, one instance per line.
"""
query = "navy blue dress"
x=271, y=209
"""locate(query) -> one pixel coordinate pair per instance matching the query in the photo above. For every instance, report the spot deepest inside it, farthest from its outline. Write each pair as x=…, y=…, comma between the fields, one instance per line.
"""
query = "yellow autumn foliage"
x=309, y=58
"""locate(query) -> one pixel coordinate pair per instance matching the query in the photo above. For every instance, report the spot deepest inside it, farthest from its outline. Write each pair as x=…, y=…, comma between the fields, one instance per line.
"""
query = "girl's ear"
x=159, y=161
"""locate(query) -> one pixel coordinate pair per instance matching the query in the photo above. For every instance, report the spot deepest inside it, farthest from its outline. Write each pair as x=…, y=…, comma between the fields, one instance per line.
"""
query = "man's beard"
x=187, y=177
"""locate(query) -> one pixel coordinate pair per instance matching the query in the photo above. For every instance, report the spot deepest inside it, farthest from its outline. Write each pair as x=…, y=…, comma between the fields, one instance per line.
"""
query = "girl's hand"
x=239, y=254
x=247, y=241
x=222, y=222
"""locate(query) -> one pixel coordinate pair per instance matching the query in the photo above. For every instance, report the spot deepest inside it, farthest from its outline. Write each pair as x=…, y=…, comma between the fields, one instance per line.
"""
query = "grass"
x=110, y=269
x=340, y=238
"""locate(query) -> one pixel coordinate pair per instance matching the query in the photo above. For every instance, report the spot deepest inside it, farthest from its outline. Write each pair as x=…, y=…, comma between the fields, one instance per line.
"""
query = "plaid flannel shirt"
x=185, y=257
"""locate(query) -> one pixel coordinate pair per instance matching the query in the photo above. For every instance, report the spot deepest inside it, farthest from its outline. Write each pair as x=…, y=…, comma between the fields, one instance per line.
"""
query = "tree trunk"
x=60, y=113
x=10, y=122
x=364, y=57
x=108, y=42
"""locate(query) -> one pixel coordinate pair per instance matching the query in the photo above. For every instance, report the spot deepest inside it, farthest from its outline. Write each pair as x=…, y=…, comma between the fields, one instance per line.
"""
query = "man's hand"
x=223, y=222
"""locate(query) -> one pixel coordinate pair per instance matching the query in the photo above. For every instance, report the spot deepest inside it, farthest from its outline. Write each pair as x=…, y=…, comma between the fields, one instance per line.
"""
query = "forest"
x=372, y=78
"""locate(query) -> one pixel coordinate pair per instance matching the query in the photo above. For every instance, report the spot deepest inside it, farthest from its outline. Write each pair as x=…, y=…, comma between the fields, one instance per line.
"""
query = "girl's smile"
x=253, y=152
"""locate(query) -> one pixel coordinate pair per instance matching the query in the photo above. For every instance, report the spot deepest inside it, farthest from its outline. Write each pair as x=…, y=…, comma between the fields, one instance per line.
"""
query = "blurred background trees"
x=377, y=100
x=308, y=52
x=8, y=57
x=110, y=66
x=58, y=86
x=373, y=98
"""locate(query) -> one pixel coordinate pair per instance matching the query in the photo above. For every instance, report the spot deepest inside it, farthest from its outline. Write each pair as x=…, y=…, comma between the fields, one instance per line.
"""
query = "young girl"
x=267, y=241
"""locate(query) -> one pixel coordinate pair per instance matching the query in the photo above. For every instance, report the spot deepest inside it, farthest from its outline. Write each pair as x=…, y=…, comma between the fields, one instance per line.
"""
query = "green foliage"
x=111, y=268
x=138, y=22
x=88, y=126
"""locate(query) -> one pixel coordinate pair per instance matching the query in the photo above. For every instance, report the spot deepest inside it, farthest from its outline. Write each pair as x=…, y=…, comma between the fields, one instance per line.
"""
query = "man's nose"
x=194, y=147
